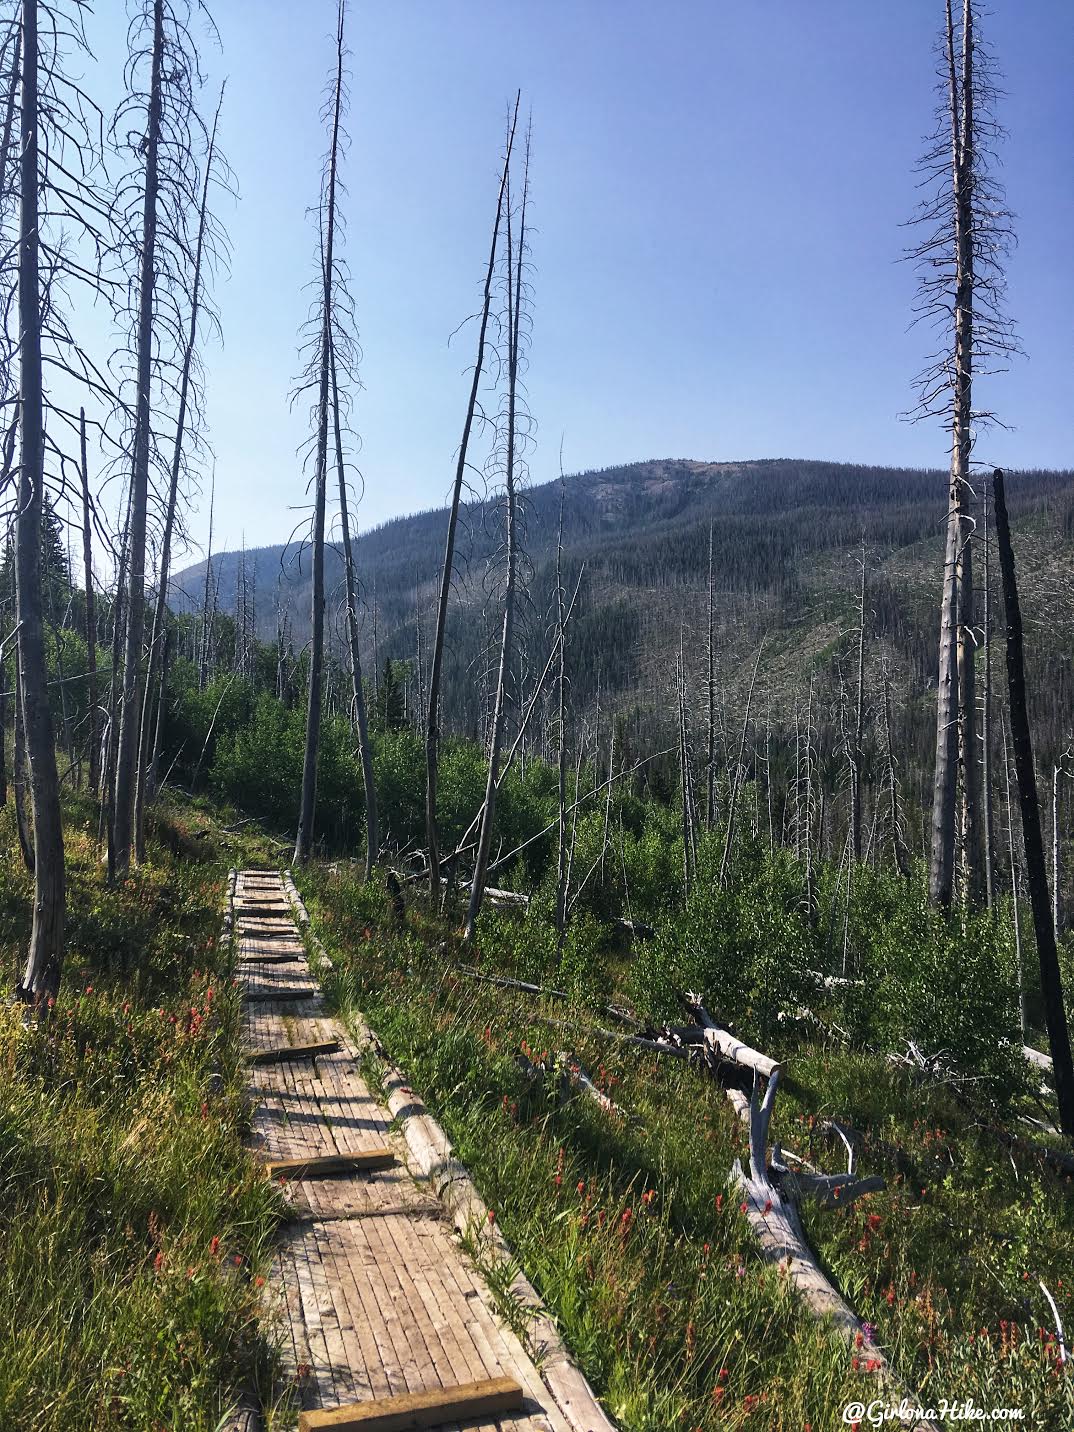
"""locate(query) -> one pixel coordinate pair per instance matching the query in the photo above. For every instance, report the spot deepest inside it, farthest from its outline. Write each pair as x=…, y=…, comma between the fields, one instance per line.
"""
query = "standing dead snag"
x=127, y=744
x=358, y=708
x=857, y=761
x=1036, y=872
x=432, y=732
x=319, y=375
x=206, y=240
x=41, y=976
x=515, y=261
x=153, y=210
x=960, y=261
x=92, y=695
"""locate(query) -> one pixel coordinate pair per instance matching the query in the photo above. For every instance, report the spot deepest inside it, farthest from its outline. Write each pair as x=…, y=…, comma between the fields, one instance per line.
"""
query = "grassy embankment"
x=133, y=1226
x=636, y=1241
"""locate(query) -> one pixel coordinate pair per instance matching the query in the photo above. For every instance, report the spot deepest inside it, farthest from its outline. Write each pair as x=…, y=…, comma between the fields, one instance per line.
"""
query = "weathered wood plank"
x=419, y=1409
x=324, y=1165
x=282, y=1053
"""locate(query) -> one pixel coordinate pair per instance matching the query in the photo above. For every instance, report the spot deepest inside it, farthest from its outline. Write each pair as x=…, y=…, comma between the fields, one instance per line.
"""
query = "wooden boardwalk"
x=375, y=1295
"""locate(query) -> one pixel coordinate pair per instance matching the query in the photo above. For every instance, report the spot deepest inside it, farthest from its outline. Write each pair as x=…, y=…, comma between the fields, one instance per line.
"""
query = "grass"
x=133, y=1226
x=636, y=1242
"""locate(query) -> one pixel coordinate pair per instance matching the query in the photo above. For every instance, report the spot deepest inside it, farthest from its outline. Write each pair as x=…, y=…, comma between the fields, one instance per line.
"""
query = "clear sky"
x=717, y=187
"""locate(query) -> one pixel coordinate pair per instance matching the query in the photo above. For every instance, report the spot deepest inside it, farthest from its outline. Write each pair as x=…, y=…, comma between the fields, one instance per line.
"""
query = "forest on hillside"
x=688, y=829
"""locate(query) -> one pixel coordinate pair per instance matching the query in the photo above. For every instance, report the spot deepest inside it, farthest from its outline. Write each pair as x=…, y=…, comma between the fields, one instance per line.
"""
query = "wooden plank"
x=419, y=1409
x=268, y=994
x=253, y=958
x=324, y=1165
x=281, y=1053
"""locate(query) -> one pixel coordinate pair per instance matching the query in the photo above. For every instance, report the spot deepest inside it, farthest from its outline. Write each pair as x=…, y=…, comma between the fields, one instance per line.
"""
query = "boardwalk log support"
x=410, y=1410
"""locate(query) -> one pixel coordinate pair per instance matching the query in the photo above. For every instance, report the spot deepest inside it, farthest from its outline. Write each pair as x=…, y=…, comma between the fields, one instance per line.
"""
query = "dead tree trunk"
x=729, y=836
x=432, y=732
x=710, y=772
x=561, y=721
x=130, y=715
x=93, y=697
x=307, y=811
x=898, y=845
x=108, y=763
x=206, y=620
x=146, y=774
x=859, y=715
x=515, y=263
x=18, y=776
x=365, y=753
x=986, y=720
x=1023, y=1018
x=1036, y=873
x=41, y=977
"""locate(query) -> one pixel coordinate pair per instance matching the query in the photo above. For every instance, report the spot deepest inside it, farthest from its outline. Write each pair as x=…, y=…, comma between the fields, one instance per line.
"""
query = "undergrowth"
x=633, y=1234
x=133, y=1225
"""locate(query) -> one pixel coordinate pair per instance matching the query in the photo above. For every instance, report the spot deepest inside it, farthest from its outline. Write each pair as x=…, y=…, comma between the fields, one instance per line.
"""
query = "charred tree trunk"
x=307, y=812
x=561, y=732
x=93, y=696
x=1036, y=872
x=432, y=732
x=954, y=694
x=18, y=777
x=732, y=804
x=1023, y=1018
x=358, y=707
x=514, y=303
x=44, y=960
x=146, y=768
x=859, y=716
x=986, y=721
x=206, y=619
x=130, y=715
x=710, y=772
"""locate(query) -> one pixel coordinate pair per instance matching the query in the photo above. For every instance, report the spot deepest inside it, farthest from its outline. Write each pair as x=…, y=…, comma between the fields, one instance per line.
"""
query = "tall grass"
x=133, y=1226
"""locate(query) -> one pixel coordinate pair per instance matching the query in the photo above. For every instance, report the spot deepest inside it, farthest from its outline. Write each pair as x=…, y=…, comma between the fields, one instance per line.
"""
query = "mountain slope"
x=787, y=541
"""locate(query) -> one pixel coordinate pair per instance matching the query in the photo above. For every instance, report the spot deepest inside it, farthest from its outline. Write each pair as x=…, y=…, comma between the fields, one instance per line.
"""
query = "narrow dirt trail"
x=376, y=1297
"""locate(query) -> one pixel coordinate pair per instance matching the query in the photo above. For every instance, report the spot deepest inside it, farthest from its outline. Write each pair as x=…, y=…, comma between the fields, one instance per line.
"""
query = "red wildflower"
x=214, y=1246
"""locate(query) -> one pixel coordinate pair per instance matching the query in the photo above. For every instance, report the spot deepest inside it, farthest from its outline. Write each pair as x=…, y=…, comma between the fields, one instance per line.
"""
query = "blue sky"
x=717, y=190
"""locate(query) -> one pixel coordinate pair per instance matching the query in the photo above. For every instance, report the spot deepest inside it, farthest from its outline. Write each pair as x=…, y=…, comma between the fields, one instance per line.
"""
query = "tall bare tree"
x=961, y=266
x=432, y=732
x=92, y=693
x=514, y=291
x=359, y=715
x=1051, y=984
x=319, y=376
x=208, y=247
x=44, y=959
x=161, y=132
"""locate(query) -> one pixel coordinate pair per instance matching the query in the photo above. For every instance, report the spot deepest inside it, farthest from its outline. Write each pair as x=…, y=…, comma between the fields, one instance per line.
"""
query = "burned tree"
x=960, y=261
x=509, y=454
x=1051, y=984
x=318, y=377
x=160, y=129
x=432, y=733
x=58, y=243
x=359, y=716
x=209, y=247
